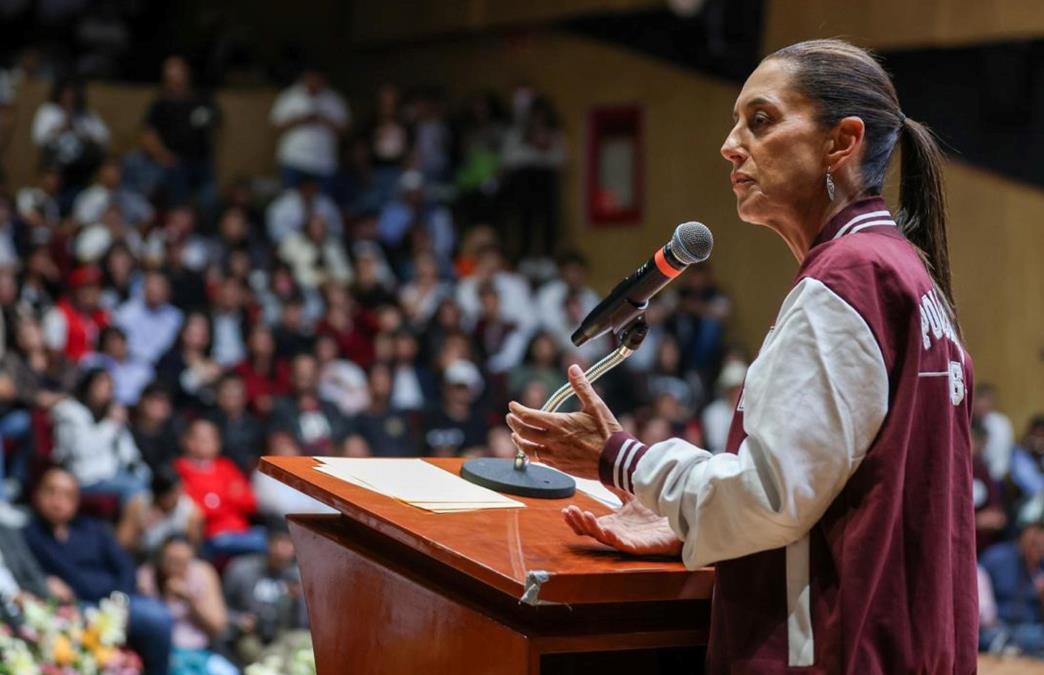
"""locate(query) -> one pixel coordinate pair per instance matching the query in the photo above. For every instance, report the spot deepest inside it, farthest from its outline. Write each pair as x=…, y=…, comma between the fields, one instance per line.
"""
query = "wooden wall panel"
x=893, y=24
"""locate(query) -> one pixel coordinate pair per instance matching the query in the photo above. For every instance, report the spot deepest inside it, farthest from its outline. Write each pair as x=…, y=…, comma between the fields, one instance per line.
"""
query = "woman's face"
x=261, y=341
x=120, y=265
x=776, y=148
x=197, y=333
x=544, y=351
x=29, y=335
x=175, y=560
x=380, y=382
x=99, y=393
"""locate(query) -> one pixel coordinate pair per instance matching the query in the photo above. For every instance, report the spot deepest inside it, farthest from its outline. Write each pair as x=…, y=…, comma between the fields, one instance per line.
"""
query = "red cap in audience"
x=85, y=275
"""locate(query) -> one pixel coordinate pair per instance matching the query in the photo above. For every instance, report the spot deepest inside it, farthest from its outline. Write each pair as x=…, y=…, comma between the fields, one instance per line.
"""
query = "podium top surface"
x=528, y=553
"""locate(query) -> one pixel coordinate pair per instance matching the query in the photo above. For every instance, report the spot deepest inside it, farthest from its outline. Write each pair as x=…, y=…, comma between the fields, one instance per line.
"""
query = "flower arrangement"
x=290, y=655
x=57, y=639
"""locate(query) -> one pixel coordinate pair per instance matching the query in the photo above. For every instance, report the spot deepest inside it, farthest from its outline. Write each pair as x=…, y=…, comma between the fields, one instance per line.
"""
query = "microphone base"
x=501, y=475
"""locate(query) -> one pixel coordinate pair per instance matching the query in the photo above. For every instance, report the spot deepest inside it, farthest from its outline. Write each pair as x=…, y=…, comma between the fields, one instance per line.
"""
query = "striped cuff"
x=619, y=459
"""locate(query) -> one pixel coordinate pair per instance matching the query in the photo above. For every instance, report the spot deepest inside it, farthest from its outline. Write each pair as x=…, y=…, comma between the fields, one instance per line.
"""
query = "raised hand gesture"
x=570, y=442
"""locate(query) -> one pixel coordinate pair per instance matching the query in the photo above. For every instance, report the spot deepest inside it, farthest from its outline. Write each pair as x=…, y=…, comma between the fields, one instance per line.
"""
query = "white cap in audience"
x=464, y=373
x=732, y=375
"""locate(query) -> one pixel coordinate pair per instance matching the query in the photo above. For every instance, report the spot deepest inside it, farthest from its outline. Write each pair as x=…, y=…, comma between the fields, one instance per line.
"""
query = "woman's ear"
x=844, y=142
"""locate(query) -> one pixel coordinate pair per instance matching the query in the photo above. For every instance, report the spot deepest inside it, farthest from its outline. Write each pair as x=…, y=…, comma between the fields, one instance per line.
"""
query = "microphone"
x=691, y=243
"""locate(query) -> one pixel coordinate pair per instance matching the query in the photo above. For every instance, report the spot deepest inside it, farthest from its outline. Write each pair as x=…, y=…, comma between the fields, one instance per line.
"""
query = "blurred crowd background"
x=385, y=292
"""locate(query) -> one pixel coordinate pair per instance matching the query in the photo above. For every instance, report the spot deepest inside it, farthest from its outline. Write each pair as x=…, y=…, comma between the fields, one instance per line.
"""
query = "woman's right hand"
x=633, y=528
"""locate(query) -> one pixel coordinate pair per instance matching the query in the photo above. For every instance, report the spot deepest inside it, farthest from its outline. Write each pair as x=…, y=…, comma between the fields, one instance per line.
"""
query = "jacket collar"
x=857, y=216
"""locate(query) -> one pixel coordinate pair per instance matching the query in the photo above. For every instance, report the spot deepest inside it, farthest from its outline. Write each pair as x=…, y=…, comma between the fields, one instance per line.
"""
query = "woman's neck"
x=801, y=229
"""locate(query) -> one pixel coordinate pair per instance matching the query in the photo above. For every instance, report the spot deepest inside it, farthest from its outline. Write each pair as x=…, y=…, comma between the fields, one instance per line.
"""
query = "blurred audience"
x=70, y=136
x=166, y=512
x=92, y=440
x=264, y=596
x=220, y=490
x=1016, y=574
x=310, y=118
x=179, y=139
x=82, y=553
x=191, y=590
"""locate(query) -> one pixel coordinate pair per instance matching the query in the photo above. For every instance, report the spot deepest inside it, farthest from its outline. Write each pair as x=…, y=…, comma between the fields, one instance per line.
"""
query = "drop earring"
x=830, y=185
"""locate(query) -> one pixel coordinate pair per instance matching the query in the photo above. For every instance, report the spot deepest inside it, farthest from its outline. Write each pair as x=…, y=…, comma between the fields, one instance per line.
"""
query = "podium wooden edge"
x=562, y=588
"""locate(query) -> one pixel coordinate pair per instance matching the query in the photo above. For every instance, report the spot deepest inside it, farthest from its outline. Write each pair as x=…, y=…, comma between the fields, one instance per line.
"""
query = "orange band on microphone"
x=665, y=267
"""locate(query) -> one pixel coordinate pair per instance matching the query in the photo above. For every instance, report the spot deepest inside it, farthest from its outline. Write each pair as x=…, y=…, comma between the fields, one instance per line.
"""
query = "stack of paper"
x=415, y=482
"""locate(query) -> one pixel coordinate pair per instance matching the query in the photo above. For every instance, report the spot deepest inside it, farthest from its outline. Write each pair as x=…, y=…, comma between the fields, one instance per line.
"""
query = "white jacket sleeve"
x=813, y=402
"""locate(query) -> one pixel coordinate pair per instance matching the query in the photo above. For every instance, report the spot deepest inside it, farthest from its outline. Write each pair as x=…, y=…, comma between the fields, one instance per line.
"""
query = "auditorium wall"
x=996, y=233
x=893, y=24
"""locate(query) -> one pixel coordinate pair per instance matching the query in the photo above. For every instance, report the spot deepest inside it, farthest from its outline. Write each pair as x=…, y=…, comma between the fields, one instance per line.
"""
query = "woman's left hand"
x=570, y=442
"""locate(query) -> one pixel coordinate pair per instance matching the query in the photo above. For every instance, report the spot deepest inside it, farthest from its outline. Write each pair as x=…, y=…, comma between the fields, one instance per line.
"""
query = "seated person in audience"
x=165, y=512
x=502, y=345
x=187, y=369
x=71, y=327
x=130, y=375
x=389, y=430
x=81, y=552
x=274, y=498
x=264, y=373
x=154, y=427
x=717, y=416
x=315, y=255
x=228, y=316
x=150, y=321
x=221, y=490
x=21, y=575
x=457, y=427
x=290, y=211
x=992, y=637
x=341, y=382
x=105, y=193
x=1027, y=461
x=990, y=519
x=1016, y=571
x=191, y=590
x=317, y=426
x=264, y=595
x=242, y=434
x=1000, y=437
x=92, y=441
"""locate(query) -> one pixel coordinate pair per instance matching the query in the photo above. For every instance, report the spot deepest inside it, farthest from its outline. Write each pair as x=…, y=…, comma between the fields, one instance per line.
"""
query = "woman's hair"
x=83, y=390
x=164, y=479
x=847, y=81
x=157, y=559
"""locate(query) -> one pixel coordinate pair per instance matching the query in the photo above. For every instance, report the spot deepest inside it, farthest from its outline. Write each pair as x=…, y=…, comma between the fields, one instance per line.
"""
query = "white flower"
x=110, y=619
x=19, y=660
x=260, y=669
x=38, y=616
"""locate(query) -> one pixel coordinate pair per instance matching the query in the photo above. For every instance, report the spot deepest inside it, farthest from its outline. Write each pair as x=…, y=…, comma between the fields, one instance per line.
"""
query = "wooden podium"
x=392, y=589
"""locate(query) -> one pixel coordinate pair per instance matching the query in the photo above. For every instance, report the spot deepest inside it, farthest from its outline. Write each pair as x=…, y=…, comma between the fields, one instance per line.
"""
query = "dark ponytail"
x=847, y=81
x=922, y=203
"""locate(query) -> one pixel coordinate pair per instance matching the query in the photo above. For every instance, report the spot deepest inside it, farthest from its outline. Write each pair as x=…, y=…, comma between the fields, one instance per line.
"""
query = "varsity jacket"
x=841, y=518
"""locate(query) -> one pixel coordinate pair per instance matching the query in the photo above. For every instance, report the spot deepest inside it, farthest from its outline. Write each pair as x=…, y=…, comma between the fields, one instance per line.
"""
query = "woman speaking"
x=841, y=517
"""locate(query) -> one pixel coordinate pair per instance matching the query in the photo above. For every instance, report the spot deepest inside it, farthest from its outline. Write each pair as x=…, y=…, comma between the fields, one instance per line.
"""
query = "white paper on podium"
x=592, y=488
x=415, y=482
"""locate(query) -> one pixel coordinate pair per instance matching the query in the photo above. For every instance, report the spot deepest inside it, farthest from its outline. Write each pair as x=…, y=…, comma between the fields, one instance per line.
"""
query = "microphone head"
x=692, y=242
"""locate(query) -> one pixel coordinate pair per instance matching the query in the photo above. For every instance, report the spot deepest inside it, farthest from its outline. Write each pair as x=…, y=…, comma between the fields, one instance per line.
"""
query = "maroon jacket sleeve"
x=619, y=459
